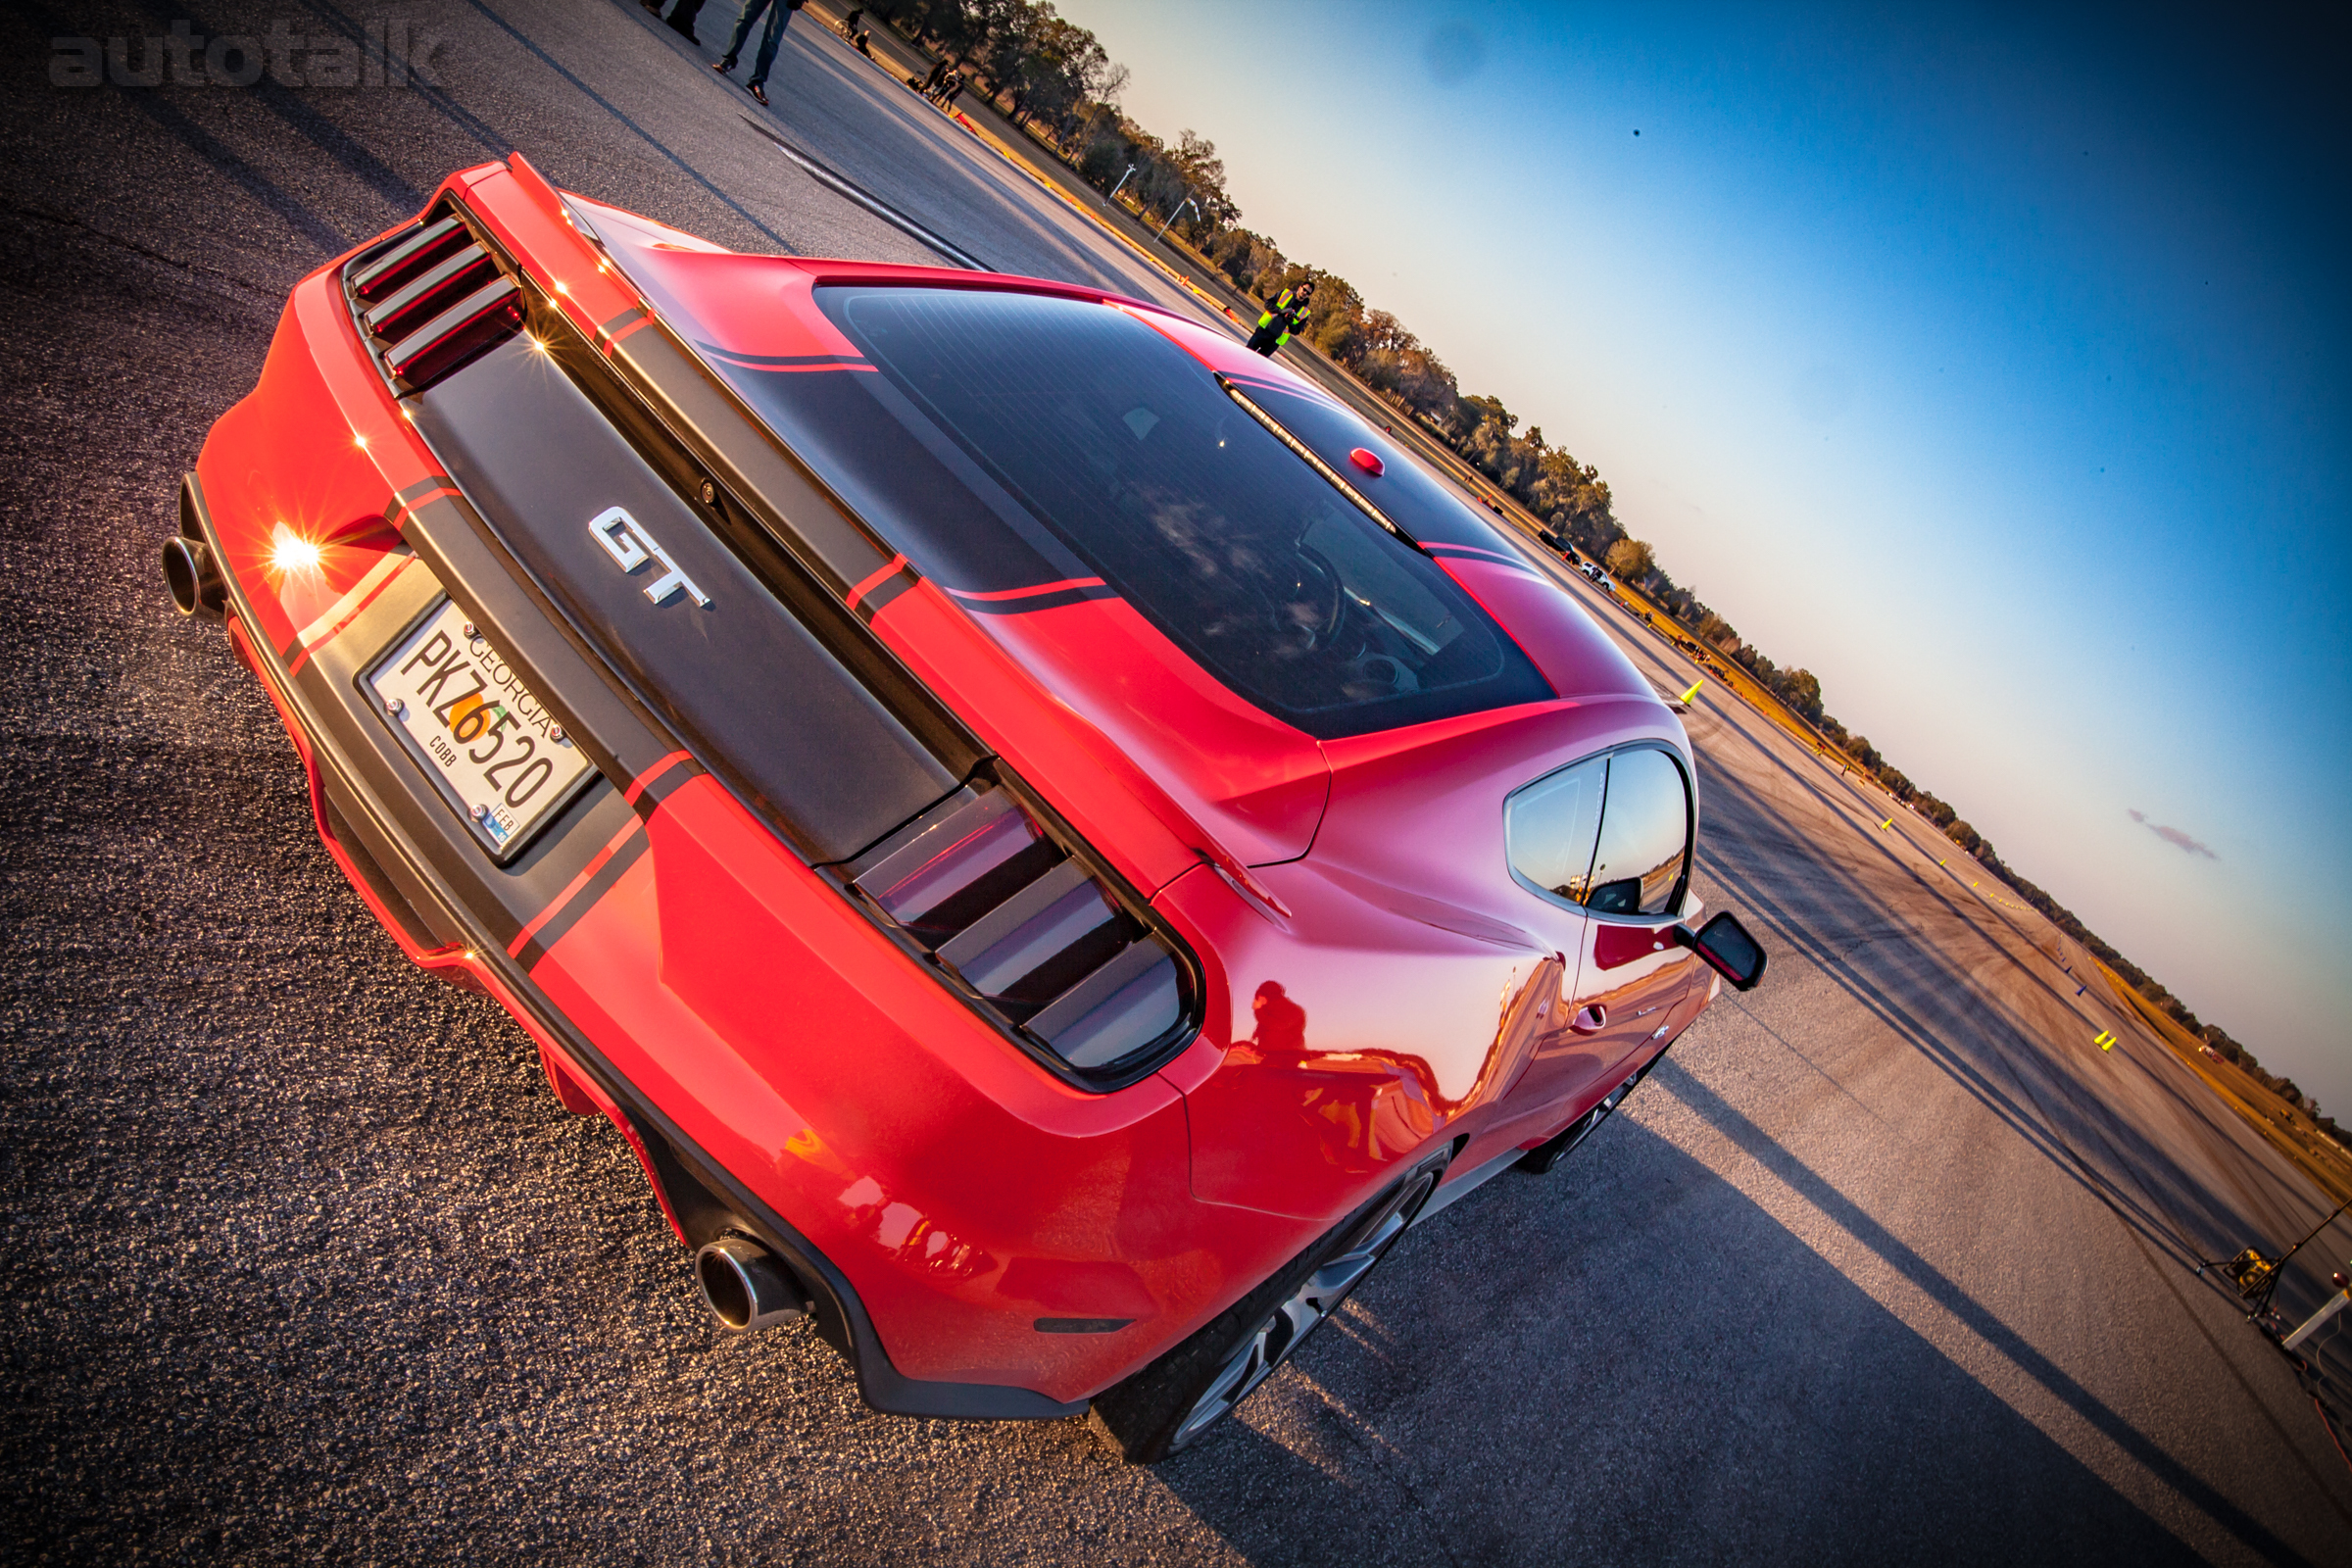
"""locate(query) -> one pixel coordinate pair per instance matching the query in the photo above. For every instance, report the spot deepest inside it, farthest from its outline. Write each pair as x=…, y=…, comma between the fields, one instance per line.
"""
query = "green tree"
x=1194, y=157
x=1631, y=560
x=1801, y=691
x=1246, y=258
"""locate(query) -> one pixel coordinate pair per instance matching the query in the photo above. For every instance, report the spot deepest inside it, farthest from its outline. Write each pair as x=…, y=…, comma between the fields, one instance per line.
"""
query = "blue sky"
x=1990, y=365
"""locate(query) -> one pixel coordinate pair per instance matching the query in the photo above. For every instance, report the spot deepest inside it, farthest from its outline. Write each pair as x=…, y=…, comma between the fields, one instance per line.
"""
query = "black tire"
x=1539, y=1160
x=1176, y=1401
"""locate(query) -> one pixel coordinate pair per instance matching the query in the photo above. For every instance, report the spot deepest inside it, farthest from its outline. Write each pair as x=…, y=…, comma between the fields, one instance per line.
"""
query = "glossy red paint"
x=1254, y=783
x=1408, y=874
x=1329, y=1079
x=1105, y=794
x=333, y=501
x=766, y=1016
x=1574, y=655
x=1376, y=985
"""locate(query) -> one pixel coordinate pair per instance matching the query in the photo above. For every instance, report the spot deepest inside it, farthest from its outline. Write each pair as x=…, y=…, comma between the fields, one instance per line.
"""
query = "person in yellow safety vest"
x=1286, y=316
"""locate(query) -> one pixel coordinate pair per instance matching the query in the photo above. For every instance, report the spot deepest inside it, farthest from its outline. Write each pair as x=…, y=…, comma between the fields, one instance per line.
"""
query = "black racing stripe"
x=649, y=799
x=1046, y=601
x=1485, y=557
x=780, y=359
x=422, y=487
x=666, y=783
x=584, y=899
x=612, y=330
x=873, y=602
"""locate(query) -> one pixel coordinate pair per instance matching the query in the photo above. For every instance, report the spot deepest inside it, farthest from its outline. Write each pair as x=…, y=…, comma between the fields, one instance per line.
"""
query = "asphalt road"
x=1887, y=1264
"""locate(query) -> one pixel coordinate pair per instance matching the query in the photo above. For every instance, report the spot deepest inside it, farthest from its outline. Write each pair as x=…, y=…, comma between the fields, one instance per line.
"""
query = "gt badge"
x=625, y=540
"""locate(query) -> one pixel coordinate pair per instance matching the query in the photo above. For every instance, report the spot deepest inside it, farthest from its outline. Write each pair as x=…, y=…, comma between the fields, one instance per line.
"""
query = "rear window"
x=1008, y=441
x=1413, y=499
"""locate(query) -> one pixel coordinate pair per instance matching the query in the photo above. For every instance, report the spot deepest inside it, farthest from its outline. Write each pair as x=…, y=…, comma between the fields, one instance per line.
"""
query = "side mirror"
x=1724, y=946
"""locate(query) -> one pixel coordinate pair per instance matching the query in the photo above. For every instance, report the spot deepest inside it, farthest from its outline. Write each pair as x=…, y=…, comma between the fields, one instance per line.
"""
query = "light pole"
x=1172, y=212
x=1122, y=184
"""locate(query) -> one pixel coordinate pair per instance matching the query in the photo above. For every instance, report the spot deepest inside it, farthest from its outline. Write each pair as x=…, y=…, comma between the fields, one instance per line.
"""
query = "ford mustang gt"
x=1054, y=840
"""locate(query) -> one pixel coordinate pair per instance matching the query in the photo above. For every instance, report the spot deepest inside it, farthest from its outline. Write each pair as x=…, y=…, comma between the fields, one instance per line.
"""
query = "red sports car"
x=1053, y=839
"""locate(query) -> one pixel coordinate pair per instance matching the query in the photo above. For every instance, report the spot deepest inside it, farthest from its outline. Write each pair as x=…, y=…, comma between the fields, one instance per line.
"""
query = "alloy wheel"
x=1317, y=1297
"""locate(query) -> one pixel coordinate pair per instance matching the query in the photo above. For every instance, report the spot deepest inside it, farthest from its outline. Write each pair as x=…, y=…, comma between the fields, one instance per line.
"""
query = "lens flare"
x=291, y=554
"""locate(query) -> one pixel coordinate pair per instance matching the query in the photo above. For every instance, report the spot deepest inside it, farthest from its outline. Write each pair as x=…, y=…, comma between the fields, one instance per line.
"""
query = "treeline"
x=1018, y=54
x=1055, y=77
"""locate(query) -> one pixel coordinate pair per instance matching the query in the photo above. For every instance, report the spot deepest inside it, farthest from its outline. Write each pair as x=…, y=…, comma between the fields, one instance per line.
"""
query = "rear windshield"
x=1014, y=441
x=1412, y=497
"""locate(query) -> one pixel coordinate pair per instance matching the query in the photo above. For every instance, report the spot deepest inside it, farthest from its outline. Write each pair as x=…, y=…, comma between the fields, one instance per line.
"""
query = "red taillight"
x=1004, y=909
x=960, y=867
x=431, y=302
x=391, y=270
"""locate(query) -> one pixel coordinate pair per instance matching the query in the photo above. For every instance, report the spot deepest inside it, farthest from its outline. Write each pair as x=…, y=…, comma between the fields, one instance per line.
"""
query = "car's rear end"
x=989, y=936
x=702, y=841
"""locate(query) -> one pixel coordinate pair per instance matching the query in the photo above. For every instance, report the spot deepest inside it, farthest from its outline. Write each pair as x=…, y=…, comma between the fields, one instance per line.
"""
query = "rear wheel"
x=1178, y=1399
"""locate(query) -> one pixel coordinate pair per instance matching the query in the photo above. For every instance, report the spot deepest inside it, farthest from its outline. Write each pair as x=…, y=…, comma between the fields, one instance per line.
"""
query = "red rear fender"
x=1422, y=807
x=956, y=1182
x=1357, y=1034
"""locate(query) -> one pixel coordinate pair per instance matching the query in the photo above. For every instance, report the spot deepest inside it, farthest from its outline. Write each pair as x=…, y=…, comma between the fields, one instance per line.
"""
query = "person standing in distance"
x=779, y=12
x=1287, y=315
x=680, y=19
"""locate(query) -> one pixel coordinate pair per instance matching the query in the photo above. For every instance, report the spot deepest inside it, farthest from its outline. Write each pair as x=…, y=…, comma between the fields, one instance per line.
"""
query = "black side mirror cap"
x=1724, y=946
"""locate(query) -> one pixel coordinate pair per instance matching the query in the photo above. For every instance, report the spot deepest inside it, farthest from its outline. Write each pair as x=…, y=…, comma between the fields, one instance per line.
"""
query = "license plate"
x=467, y=719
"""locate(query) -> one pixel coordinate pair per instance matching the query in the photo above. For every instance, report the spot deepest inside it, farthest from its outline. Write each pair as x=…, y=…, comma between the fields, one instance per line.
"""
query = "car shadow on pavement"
x=1898, y=974
x=1545, y=1375
x=1949, y=895
x=1977, y=1037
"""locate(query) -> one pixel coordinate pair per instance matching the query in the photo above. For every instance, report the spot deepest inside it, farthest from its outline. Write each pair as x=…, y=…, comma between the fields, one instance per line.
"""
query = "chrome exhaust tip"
x=194, y=579
x=745, y=1285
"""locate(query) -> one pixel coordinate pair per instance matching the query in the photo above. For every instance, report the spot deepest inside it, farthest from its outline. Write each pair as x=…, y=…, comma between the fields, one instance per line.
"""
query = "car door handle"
x=1591, y=1019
